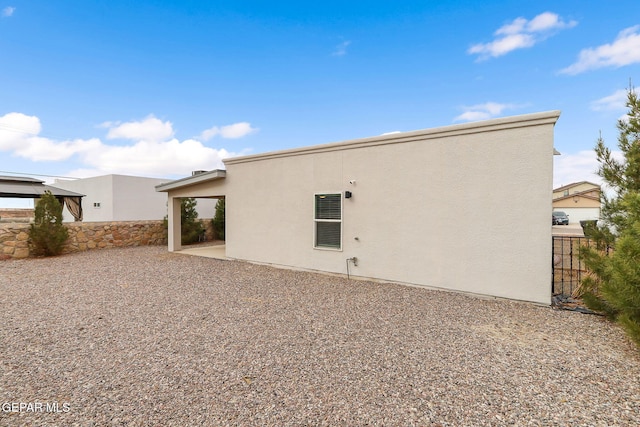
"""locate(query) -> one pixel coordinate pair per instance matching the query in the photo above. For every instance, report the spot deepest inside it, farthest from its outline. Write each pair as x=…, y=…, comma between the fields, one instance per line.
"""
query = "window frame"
x=317, y=220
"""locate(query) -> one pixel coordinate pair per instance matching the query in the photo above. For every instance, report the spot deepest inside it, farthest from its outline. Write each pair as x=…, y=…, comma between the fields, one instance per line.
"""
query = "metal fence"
x=568, y=268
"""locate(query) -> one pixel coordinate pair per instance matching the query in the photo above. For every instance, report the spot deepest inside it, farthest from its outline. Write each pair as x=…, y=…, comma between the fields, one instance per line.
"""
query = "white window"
x=96, y=204
x=328, y=221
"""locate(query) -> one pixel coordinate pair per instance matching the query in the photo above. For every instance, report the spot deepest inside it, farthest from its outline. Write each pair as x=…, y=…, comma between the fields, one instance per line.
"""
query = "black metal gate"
x=568, y=268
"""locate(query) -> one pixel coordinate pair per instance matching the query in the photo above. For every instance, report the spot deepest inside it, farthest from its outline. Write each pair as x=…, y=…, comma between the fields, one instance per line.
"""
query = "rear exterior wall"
x=426, y=212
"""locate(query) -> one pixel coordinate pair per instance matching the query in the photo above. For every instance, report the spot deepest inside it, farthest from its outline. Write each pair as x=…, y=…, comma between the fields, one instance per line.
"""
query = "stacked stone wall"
x=14, y=237
x=14, y=240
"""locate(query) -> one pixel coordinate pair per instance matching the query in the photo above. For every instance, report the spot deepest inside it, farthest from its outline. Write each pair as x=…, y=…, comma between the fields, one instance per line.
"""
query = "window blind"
x=328, y=220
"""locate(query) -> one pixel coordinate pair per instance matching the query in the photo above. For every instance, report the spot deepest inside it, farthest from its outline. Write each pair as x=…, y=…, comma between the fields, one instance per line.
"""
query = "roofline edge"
x=524, y=120
x=191, y=180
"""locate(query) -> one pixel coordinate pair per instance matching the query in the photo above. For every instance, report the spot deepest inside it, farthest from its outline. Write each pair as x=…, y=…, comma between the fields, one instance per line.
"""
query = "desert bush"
x=47, y=235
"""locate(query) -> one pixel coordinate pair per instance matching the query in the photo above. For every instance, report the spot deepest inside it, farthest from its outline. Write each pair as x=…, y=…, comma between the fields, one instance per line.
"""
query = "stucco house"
x=579, y=200
x=425, y=208
x=124, y=198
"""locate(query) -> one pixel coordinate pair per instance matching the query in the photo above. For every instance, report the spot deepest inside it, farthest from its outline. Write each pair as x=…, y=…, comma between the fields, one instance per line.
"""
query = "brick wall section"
x=14, y=237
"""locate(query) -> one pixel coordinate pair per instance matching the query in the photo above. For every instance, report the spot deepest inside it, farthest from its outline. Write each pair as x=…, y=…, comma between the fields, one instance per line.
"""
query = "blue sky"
x=166, y=87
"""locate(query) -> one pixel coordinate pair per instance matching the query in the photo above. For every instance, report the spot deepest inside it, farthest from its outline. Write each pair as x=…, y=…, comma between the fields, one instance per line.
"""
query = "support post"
x=174, y=233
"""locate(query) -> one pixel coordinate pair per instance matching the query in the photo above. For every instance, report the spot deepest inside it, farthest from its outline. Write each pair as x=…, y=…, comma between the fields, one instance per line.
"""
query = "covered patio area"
x=217, y=251
x=201, y=184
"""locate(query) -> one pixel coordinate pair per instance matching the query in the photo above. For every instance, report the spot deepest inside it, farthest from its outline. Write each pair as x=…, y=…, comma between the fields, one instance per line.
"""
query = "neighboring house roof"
x=575, y=184
x=21, y=187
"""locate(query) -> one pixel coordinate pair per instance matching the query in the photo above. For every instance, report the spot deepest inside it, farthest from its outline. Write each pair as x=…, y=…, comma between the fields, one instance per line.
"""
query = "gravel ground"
x=142, y=337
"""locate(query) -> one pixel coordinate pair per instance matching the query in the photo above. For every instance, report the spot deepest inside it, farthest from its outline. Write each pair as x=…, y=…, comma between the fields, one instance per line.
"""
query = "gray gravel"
x=139, y=336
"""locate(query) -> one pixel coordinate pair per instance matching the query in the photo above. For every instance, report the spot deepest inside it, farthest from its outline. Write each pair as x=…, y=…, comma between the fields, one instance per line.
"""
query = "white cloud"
x=548, y=21
x=503, y=45
x=519, y=34
x=149, y=129
x=19, y=135
x=341, y=49
x=150, y=154
x=484, y=111
x=234, y=131
x=8, y=11
x=156, y=158
x=569, y=168
x=16, y=124
x=43, y=149
x=625, y=50
x=516, y=26
x=613, y=102
x=580, y=166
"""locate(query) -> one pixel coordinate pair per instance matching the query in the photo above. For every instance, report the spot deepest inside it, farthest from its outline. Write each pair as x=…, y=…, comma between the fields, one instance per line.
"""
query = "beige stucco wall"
x=580, y=202
x=426, y=207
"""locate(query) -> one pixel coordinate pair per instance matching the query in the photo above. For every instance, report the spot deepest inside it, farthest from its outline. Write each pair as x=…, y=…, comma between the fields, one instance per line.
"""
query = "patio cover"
x=21, y=187
x=196, y=185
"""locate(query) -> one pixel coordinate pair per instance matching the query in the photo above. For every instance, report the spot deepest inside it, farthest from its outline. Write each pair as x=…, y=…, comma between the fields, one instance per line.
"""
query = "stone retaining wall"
x=14, y=240
x=14, y=237
x=99, y=235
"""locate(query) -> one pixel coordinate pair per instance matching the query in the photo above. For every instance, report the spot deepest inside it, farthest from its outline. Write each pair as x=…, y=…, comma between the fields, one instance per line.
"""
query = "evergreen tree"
x=613, y=285
x=191, y=227
x=47, y=235
x=218, y=221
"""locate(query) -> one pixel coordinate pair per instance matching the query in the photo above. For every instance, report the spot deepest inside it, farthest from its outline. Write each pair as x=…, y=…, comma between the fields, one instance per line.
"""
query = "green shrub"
x=47, y=235
x=191, y=227
x=218, y=220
